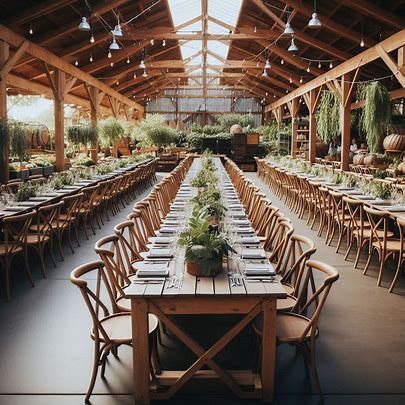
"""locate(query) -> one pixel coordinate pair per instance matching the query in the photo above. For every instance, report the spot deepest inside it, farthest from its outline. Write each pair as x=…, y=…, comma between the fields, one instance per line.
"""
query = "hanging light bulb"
x=109, y=55
x=288, y=30
x=152, y=42
x=290, y=80
x=135, y=75
x=257, y=64
x=84, y=25
x=274, y=96
x=282, y=61
x=255, y=29
x=76, y=63
x=267, y=93
x=113, y=45
x=164, y=42
x=362, y=42
x=112, y=64
x=91, y=58
x=117, y=82
x=308, y=68
x=314, y=21
x=293, y=47
x=145, y=73
x=286, y=91
x=31, y=31
x=142, y=64
x=319, y=64
x=267, y=65
x=330, y=65
x=264, y=74
x=128, y=61
x=301, y=80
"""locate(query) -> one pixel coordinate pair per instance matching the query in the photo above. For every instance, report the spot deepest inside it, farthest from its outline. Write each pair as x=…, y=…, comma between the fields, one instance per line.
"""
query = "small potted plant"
x=205, y=247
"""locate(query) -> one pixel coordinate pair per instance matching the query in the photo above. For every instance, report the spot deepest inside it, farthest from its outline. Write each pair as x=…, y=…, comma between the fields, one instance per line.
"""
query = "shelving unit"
x=300, y=141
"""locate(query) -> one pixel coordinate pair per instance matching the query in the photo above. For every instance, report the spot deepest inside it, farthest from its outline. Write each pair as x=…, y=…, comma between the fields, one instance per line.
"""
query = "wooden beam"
x=311, y=103
x=31, y=13
x=394, y=95
x=345, y=117
x=394, y=42
x=329, y=24
x=12, y=60
x=367, y=8
x=59, y=77
x=4, y=151
x=391, y=64
x=42, y=54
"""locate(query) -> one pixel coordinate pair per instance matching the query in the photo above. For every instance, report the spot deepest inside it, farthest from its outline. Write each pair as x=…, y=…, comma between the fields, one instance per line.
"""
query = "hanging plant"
x=82, y=134
x=18, y=142
x=111, y=131
x=328, y=117
x=376, y=114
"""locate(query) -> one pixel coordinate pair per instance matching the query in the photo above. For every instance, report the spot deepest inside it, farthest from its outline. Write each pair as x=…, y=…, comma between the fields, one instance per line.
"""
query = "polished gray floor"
x=46, y=352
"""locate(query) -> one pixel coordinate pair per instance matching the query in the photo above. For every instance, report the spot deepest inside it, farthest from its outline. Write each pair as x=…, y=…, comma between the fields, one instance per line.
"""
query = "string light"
x=290, y=80
x=164, y=42
x=76, y=63
x=319, y=64
x=152, y=42
x=135, y=75
x=128, y=61
x=282, y=61
x=118, y=82
x=330, y=65
x=92, y=40
x=31, y=31
x=112, y=64
x=255, y=29
x=362, y=42
x=301, y=79
x=308, y=68
x=109, y=55
x=91, y=58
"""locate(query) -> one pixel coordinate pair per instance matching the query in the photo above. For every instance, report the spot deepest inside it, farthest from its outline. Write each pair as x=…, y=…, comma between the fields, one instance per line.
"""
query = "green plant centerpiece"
x=209, y=200
x=26, y=191
x=204, y=246
x=381, y=191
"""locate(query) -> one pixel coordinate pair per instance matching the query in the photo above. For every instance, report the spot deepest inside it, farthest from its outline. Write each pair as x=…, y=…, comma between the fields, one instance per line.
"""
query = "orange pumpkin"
x=394, y=142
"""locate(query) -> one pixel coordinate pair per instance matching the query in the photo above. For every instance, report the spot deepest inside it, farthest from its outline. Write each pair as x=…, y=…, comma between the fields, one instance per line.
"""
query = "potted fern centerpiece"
x=205, y=247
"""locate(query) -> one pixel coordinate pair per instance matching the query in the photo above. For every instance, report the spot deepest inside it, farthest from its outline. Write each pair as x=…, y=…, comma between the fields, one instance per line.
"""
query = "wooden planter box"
x=36, y=171
x=19, y=174
x=48, y=170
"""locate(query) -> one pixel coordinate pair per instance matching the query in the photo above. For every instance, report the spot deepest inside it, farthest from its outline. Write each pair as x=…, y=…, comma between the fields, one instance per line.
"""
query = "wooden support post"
x=95, y=97
x=347, y=88
x=4, y=171
x=312, y=127
x=59, y=97
x=293, y=107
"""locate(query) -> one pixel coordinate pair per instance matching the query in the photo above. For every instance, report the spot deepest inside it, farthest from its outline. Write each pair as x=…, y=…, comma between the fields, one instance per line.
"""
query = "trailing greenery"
x=111, y=130
x=18, y=141
x=328, y=117
x=203, y=244
x=82, y=134
x=4, y=134
x=376, y=114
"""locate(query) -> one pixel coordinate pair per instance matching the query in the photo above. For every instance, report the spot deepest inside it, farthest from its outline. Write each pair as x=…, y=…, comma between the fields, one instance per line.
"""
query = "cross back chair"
x=401, y=255
x=131, y=243
x=15, y=231
x=300, y=327
x=41, y=235
x=110, y=330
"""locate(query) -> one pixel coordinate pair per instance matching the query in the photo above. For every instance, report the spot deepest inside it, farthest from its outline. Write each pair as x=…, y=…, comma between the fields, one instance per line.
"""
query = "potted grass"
x=205, y=248
x=111, y=132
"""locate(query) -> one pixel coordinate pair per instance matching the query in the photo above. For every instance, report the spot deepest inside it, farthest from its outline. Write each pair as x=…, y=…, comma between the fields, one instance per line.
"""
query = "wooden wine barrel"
x=369, y=159
x=44, y=139
x=236, y=129
x=394, y=142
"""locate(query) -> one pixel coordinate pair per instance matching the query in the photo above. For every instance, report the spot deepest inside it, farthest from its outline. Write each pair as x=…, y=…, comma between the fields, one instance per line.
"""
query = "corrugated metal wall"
x=190, y=101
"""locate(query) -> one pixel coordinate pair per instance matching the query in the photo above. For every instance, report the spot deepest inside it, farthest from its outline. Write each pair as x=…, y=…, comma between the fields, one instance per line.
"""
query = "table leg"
x=140, y=350
x=268, y=349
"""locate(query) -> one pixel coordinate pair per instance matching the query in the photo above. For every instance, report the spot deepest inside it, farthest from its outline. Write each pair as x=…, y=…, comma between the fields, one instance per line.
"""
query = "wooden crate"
x=252, y=139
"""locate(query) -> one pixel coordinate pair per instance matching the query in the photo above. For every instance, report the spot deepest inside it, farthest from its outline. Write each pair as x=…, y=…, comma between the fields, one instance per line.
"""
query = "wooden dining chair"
x=381, y=239
x=401, y=254
x=336, y=219
x=300, y=327
x=110, y=330
x=132, y=243
x=12, y=187
x=40, y=233
x=15, y=231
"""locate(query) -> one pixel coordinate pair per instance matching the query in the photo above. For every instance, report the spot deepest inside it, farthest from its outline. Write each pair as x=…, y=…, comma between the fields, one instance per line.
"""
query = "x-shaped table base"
x=250, y=307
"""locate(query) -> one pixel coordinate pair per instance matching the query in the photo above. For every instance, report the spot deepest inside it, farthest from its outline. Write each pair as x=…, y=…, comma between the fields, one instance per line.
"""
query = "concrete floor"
x=46, y=352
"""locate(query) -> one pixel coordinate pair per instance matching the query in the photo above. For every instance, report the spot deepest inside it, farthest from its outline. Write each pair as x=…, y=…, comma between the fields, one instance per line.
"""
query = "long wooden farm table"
x=204, y=296
x=69, y=190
